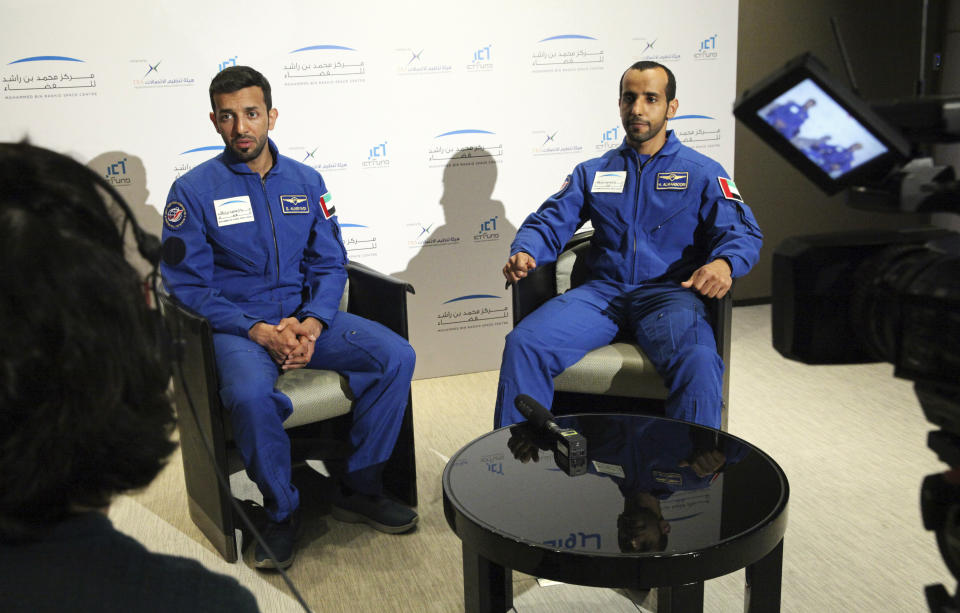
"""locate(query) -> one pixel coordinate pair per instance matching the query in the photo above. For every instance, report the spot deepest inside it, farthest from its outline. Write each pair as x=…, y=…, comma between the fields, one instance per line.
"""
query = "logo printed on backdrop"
x=313, y=157
x=609, y=139
x=418, y=61
x=567, y=53
x=707, y=50
x=227, y=63
x=377, y=157
x=148, y=74
x=48, y=76
x=116, y=173
x=324, y=65
x=697, y=131
x=192, y=157
x=550, y=142
x=482, y=61
x=418, y=235
x=656, y=50
x=472, y=311
x=469, y=147
x=360, y=240
x=488, y=231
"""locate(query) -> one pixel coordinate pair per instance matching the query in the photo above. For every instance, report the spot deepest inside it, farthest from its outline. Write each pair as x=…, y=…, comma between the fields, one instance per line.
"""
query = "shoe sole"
x=352, y=517
x=269, y=564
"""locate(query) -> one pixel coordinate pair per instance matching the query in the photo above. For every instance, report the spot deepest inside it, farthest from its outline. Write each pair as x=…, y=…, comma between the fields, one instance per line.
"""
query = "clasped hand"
x=290, y=343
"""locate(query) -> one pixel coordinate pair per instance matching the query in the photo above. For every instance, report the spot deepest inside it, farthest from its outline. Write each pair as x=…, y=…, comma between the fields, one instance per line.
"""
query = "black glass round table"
x=657, y=503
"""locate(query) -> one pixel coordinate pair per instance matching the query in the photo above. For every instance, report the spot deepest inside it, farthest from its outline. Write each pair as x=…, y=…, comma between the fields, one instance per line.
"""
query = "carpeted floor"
x=852, y=441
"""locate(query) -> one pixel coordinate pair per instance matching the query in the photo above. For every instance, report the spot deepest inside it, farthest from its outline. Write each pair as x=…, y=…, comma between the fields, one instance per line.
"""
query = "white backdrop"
x=438, y=125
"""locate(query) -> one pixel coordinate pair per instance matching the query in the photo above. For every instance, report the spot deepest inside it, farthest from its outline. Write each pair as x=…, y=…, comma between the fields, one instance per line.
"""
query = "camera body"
x=856, y=297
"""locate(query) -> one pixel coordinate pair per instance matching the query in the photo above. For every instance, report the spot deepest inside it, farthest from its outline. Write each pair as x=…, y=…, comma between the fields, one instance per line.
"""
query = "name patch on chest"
x=672, y=180
x=233, y=210
x=294, y=204
x=610, y=182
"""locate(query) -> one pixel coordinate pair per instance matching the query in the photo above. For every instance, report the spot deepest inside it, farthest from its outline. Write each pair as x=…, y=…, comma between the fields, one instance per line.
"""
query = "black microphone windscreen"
x=535, y=412
x=149, y=247
x=174, y=250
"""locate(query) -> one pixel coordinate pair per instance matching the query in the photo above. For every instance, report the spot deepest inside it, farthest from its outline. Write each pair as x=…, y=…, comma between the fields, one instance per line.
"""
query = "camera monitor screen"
x=829, y=134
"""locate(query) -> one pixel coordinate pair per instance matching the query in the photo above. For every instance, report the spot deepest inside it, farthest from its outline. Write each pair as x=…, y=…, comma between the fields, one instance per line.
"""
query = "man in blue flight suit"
x=836, y=160
x=670, y=230
x=788, y=117
x=264, y=262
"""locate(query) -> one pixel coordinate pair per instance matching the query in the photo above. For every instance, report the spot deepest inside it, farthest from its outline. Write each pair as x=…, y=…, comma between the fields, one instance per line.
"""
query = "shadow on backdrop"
x=128, y=175
x=460, y=299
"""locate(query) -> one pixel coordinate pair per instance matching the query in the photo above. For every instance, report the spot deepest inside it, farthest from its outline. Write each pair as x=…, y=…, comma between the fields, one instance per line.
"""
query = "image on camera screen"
x=821, y=129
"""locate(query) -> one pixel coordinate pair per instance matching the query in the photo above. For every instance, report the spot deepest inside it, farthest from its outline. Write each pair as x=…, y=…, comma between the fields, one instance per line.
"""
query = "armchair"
x=619, y=375
x=321, y=402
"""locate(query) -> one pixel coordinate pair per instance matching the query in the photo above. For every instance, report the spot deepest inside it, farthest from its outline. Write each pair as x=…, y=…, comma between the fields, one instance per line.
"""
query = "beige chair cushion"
x=316, y=395
x=618, y=369
x=565, y=264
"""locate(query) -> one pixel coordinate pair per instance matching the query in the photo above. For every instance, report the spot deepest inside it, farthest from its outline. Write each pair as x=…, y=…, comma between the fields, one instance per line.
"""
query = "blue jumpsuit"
x=261, y=251
x=656, y=219
x=833, y=159
x=790, y=116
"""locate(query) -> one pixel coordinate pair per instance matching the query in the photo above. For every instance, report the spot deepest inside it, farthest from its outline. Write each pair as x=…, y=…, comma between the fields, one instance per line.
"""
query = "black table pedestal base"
x=487, y=586
x=680, y=598
x=762, y=593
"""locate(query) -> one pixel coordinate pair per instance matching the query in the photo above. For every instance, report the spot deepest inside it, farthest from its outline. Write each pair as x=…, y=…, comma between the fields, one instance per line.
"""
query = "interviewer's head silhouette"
x=84, y=413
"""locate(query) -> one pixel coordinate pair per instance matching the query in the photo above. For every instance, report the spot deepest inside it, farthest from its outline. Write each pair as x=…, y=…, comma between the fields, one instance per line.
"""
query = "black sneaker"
x=377, y=511
x=281, y=537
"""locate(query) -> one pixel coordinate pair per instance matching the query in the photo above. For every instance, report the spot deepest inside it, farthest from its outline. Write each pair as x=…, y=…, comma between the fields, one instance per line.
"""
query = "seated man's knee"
x=245, y=391
x=520, y=341
x=698, y=360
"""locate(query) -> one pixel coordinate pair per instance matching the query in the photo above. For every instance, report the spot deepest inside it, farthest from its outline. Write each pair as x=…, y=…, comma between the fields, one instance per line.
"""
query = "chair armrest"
x=378, y=297
x=537, y=287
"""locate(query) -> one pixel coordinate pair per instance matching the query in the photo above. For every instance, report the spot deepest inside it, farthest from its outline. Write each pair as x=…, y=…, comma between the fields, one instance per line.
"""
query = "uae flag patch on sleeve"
x=729, y=189
x=328, y=209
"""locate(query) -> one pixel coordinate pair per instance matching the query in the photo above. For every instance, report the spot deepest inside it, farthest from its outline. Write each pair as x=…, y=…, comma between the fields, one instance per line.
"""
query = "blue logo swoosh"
x=464, y=132
x=322, y=48
x=42, y=58
x=208, y=148
x=352, y=225
x=567, y=36
x=678, y=117
x=471, y=297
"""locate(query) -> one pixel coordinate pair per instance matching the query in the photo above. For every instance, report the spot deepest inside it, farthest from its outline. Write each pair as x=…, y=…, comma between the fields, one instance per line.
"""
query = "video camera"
x=857, y=297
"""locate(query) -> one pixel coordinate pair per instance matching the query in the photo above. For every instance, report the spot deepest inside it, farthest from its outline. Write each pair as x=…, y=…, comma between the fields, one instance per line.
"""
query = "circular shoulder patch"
x=174, y=215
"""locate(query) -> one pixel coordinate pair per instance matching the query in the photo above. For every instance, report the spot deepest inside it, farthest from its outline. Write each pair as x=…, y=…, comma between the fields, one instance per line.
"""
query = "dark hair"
x=235, y=78
x=84, y=412
x=627, y=532
x=647, y=65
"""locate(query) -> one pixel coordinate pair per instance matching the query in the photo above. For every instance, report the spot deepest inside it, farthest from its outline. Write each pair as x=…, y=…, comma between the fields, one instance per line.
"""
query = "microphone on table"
x=569, y=446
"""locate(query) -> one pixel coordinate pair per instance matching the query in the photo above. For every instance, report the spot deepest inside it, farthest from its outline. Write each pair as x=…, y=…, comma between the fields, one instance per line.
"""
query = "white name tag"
x=233, y=210
x=609, y=469
x=610, y=182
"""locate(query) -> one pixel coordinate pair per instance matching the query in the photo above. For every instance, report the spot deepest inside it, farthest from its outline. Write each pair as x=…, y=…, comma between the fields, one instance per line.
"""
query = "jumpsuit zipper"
x=636, y=217
x=273, y=227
